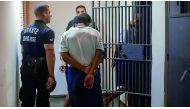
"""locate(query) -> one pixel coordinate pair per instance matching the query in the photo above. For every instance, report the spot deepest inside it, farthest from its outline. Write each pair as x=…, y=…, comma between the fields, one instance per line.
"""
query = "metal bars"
x=126, y=32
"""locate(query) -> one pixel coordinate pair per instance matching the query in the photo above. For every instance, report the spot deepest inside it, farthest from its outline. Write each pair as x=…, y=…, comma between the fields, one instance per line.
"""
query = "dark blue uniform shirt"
x=33, y=38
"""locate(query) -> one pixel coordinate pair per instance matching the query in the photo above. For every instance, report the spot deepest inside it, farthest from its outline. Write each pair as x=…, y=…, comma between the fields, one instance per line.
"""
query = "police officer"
x=37, y=69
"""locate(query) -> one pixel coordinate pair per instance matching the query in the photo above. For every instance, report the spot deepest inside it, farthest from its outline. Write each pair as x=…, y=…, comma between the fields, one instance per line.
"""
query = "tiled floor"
x=56, y=101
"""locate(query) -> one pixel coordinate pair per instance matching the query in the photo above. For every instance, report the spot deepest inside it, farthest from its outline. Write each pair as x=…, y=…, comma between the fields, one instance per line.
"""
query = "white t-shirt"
x=81, y=42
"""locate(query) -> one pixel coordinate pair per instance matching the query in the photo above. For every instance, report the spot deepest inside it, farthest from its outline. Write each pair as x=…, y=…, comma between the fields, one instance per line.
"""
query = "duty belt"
x=34, y=60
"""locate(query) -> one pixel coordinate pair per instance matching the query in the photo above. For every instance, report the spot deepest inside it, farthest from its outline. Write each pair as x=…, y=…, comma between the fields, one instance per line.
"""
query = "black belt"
x=33, y=60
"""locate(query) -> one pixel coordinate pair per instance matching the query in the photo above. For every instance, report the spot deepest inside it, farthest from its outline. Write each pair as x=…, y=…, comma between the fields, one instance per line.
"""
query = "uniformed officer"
x=37, y=69
x=81, y=48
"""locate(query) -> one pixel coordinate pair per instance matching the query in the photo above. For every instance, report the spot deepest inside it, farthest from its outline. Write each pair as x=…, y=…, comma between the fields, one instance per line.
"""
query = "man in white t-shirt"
x=81, y=47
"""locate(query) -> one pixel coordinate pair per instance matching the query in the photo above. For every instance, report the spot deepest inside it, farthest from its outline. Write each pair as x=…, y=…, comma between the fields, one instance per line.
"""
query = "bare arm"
x=89, y=79
x=95, y=61
x=50, y=58
x=69, y=60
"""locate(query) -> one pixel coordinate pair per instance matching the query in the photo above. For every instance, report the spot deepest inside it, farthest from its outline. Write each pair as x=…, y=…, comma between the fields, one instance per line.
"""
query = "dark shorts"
x=81, y=96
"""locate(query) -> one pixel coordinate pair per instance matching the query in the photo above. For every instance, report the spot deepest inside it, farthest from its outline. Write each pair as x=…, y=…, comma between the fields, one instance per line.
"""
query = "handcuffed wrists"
x=52, y=76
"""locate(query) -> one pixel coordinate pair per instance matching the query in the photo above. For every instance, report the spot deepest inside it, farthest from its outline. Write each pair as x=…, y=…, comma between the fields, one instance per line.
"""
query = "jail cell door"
x=125, y=28
x=179, y=54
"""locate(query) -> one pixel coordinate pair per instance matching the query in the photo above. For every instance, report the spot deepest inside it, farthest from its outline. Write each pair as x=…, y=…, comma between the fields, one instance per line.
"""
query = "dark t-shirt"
x=33, y=38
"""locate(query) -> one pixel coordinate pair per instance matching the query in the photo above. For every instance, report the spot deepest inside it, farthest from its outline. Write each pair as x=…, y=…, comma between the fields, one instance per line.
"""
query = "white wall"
x=9, y=33
x=158, y=52
x=62, y=12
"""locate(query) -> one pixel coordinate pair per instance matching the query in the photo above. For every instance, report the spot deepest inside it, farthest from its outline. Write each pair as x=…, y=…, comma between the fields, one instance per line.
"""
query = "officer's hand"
x=50, y=82
x=62, y=68
x=89, y=81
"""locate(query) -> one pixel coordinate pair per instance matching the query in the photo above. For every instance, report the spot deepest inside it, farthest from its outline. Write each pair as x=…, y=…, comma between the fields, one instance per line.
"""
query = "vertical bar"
x=123, y=41
x=150, y=31
x=125, y=80
x=150, y=50
x=139, y=77
x=129, y=62
x=112, y=51
x=109, y=46
x=98, y=16
x=116, y=46
x=132, y=24
x=136, y=32
x=122, y=24
x=146, y=78
x=119, y=21
x=146, y=31
x=150, y=36
x=133, y=35
x=146, y=16
x=149, y=78
x=129, y=76
x=143, y=26
x=126, y=39
x=140, y=26
x=129, y=29
x=148, y=83
x=142, y=65
x=147, y=57
x=146, y=73
x=135, y=75
x=118, y=40
x=92, y=10
x=126, y=63
x=132, y=73
x=109, y=28
x=106, y=41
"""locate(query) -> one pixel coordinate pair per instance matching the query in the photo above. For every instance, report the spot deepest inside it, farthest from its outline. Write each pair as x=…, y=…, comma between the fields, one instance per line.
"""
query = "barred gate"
x=126, y=32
